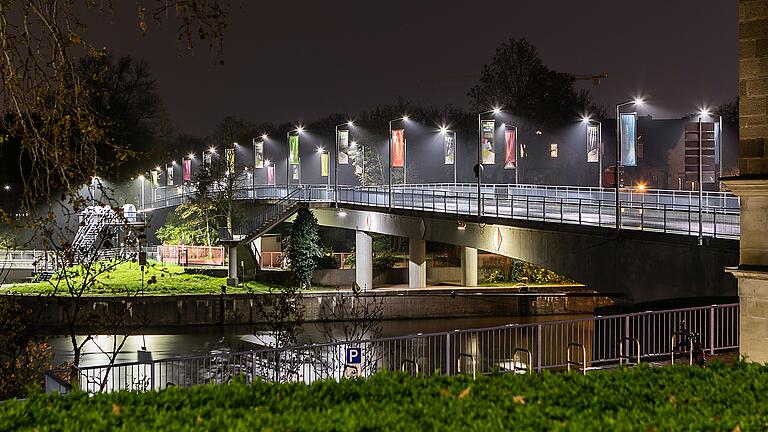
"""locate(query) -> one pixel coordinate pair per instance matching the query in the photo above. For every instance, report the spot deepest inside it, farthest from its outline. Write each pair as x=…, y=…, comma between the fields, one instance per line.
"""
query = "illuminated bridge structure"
x=668, y=244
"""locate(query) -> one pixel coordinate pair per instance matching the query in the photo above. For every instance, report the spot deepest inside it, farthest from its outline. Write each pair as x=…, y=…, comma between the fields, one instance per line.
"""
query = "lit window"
x=553, y=150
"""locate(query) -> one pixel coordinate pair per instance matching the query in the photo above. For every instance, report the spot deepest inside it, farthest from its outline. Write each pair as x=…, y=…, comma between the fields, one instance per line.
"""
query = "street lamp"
x=444, y=131
x=349, y=125
x=637, y=101
x=495, y=111
x=141, y=179
x=588, y=121
x=389, y=168
x=298, y=130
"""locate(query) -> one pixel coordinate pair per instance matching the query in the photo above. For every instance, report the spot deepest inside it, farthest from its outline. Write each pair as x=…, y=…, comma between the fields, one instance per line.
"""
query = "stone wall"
x=753, y=86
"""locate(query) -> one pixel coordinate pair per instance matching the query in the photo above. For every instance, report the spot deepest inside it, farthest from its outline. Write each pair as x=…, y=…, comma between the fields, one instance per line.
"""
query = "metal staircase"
x=266, y=219
x=94, y=220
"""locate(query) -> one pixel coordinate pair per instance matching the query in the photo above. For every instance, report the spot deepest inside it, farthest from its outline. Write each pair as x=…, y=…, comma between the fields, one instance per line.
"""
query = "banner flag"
x=293, y=149
x=449, y=144
x=207, y=158
x=169, y=170
x=398, y=148
x=629, y=139
x=258, y=154
x=343, y=140
x=324, y=164
x=155, y=178
x=230, y=153
x=359, y=161
x=271, y=175
x=295, y=169
x=489, y=156
x=593, y=143
x=510, y=137
x=187, y=169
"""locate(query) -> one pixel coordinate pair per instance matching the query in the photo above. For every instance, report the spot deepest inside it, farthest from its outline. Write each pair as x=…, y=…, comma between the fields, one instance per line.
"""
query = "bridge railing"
x=604, y=338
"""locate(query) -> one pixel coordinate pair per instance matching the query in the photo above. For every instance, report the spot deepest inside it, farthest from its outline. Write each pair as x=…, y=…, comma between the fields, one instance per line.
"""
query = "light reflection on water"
x=200, y=340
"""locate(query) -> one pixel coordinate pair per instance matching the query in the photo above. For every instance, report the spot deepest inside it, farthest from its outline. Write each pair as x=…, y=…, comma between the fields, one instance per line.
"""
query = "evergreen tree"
x=303, y=247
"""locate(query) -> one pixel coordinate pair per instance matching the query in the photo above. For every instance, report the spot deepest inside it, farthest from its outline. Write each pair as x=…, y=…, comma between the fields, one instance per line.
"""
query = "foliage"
x=517, y=80
x=384, y=260
x=327, y=261
x=24, y=357
x=159, y=279
x=640, y=399
x=729, y=111
x=302, y=247
x=49, y=111
x=187, y=225
x=524, y=272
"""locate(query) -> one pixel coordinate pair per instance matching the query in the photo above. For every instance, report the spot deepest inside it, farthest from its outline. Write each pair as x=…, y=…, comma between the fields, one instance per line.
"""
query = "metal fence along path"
x=555, y=345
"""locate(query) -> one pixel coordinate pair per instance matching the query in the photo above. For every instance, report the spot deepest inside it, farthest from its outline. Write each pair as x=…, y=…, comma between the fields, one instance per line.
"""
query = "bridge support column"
x=232, y=274
x=363, y=260
x=417, y=263
x=468, y=266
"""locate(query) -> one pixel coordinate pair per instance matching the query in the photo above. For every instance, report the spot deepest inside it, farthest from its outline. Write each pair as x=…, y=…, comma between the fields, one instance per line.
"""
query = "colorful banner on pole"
x=155, y=178
x=593, y=143
x=359, y=161
x=324, y=164
x=398, y=148
x=449, y=146
x=271, y=175
x=169, y=178
x=629, y=139
x=510, y=137
x=230, y=160
x=295, y=170
x=187, y=170
x=343, y=141
x=258, y=154
x=293, y=149
x=489, y=155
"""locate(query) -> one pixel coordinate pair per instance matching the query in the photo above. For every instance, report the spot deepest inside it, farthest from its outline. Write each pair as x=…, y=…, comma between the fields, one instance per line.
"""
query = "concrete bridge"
x=666, y=245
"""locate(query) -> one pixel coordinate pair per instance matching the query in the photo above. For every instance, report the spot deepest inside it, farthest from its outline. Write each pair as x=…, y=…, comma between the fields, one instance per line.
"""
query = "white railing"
x=606, y=340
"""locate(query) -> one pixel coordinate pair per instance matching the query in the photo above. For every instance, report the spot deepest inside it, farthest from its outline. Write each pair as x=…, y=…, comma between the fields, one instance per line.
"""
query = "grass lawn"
x=678, y=398
x=159, y=279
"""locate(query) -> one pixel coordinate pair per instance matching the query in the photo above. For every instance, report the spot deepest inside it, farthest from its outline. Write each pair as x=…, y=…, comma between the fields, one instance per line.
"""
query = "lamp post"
x=588, y=121
x=495, y=111
x=349, y=125
x=443, y=131
x=637, y=101
x=141, y=179
x=389, y=168
x=298, y=130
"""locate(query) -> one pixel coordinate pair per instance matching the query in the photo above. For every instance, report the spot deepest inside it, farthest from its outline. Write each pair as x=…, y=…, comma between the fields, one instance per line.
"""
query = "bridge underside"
x=643, y=266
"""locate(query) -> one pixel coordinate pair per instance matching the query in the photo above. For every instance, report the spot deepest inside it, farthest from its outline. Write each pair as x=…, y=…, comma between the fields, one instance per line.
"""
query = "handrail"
x=628, y=356
x=472, y=359
x=529, y=364
x=407, y=362
x=569, y=362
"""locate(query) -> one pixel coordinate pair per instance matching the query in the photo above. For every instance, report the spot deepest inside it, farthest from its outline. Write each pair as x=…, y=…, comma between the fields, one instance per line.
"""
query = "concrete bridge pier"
x=468, y=266
x=255, y=246
x=363, y=260
x=232, y=273
x=417, y=263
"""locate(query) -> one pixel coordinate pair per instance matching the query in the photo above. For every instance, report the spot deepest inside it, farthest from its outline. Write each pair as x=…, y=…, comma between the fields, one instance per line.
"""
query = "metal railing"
x=491, y=349
x=651, y=210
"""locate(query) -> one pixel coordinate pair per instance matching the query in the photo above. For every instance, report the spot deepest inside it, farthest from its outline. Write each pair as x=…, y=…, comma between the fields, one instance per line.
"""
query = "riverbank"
x=239, y=309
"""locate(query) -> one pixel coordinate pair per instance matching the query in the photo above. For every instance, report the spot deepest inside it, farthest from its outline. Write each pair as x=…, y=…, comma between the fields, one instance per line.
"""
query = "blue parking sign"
x=354, y=355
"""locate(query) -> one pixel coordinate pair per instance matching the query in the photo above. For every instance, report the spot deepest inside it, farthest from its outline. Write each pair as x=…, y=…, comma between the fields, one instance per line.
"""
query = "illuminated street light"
x=212, y=150
x=588, y=121
x=636, y=101
x=191, y=155
x=495, y=111
x=7, y=187
x=402, y=118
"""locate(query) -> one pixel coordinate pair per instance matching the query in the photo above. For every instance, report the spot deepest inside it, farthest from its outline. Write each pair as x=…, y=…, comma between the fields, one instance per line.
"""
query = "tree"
x=48, y=106
x=188, y=225
x=24, y=356
x=517, y=80
x=729, y=111
x=303, y=247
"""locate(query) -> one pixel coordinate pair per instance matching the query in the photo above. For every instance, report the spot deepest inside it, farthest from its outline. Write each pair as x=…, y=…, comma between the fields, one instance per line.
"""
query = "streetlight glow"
x=157, y=168
x=267, y=162
x=264, y=136
x=704, y=112
x=212, y=150
x=141, y=177
x=350, y=123
x=496, y=110
x=585, y=119
x=320, y=149
x=191, y=155
x=405, y=118
x=443, y=130
x=300, y=129
x=639, y=101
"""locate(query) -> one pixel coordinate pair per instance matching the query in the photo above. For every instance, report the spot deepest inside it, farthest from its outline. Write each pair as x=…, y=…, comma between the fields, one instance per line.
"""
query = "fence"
x=605, y=340
x=191, y=255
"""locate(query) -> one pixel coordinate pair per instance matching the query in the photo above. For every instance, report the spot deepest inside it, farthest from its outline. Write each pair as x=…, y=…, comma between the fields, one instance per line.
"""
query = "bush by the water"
x=720, y=397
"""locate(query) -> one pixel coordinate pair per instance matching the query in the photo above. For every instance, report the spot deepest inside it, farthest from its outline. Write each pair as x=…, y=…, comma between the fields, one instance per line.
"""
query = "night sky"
x=300, y=60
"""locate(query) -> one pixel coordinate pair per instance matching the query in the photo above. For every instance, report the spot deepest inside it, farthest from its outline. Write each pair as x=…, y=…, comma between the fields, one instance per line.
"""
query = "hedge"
x=728, y=398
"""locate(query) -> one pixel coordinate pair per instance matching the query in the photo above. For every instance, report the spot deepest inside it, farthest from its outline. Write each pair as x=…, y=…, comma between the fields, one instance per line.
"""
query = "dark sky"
x=299, y=60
